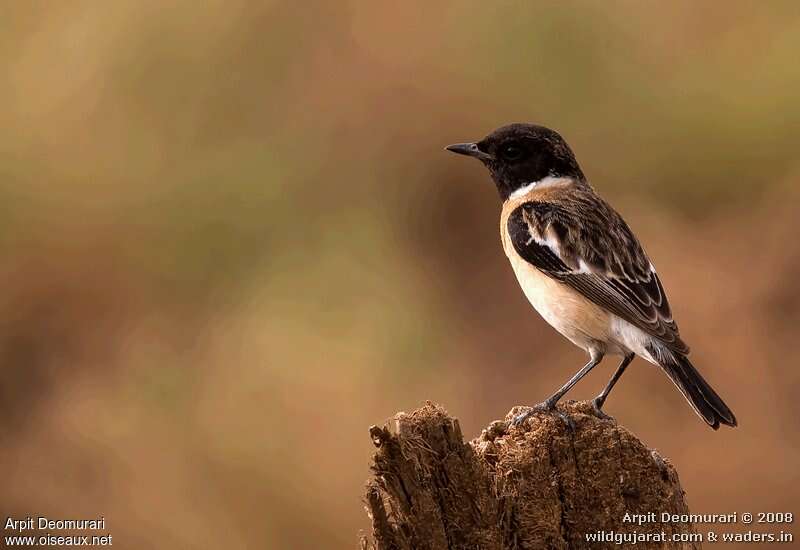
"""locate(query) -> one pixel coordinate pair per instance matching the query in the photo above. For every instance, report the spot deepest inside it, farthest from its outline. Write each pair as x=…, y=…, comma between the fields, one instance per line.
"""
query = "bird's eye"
x=511, y=152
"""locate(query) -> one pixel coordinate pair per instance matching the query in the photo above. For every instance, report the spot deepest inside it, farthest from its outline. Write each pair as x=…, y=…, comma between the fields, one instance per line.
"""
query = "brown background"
x=231, y=241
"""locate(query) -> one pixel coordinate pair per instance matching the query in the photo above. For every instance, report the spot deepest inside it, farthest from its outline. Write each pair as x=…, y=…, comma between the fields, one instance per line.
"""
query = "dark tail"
x=700, y=395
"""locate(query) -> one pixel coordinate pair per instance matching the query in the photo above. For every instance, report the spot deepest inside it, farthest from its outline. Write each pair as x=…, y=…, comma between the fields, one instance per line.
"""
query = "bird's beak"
x=469, y=149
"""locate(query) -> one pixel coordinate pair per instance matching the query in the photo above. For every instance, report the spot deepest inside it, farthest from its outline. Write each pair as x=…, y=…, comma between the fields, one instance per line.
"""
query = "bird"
x=582, y=268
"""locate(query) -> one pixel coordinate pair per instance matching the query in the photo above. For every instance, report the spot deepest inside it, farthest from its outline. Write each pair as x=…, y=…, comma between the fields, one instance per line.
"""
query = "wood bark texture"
x=542, y=485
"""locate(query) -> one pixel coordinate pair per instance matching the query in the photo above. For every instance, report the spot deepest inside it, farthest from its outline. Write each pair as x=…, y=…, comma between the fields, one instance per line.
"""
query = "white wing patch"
x=583, y=267
x=549, y=240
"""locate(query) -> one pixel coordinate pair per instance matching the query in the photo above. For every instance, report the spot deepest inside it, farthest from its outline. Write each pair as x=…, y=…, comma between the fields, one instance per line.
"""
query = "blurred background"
x=231, y=241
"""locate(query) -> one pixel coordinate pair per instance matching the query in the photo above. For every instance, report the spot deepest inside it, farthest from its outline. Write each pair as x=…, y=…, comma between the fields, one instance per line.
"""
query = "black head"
x=519, y=154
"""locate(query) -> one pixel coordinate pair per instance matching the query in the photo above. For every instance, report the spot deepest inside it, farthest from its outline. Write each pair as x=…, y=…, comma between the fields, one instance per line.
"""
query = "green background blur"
x=231, y=241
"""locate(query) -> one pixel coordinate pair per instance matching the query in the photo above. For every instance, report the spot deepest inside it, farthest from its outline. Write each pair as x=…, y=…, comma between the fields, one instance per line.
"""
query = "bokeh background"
x=231, y=242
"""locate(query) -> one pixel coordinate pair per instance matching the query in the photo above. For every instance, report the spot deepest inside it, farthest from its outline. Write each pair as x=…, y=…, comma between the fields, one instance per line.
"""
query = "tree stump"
x=542, y=485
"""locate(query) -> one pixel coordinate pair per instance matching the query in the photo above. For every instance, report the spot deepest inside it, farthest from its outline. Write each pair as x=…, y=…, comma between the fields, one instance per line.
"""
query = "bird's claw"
x=542, y=408
x=598, y=411
x=518, y=420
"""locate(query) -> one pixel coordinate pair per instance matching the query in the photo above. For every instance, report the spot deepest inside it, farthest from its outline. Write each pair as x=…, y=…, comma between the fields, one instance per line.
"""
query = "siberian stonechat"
x=581, y=266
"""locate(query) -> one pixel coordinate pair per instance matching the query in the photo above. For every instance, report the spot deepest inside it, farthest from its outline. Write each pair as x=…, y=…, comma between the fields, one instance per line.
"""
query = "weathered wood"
x=540, y=486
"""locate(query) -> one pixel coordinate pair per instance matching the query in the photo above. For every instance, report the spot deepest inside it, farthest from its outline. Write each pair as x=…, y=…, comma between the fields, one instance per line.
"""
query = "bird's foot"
x=545, y=407
x=597, y=406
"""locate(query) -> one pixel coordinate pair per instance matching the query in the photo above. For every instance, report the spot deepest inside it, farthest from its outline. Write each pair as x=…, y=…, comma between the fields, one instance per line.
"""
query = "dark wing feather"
x=582, y=242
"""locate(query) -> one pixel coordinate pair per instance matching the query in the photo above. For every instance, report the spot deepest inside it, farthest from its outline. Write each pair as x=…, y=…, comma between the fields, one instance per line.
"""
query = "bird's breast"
x=579, y=320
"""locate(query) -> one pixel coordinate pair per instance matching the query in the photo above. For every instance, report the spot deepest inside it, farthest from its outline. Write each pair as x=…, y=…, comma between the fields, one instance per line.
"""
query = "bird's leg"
x=598, y=401
x=549, y=404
